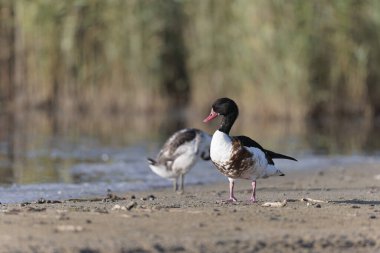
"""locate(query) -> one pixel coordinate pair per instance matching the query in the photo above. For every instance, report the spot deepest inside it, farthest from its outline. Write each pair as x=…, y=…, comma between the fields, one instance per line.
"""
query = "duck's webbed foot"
x=230, y=200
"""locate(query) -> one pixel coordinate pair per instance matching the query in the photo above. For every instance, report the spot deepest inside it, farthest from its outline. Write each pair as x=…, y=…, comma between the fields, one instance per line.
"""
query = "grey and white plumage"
x=239, y=157
x=180, y=153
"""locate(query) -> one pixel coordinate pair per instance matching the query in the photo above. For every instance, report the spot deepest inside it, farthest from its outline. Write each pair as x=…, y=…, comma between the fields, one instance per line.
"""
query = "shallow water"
x=40, y=160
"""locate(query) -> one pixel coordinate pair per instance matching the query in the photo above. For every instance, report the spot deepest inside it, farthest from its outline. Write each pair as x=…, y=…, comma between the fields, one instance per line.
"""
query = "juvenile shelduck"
x=239, y=157
x=179, y=154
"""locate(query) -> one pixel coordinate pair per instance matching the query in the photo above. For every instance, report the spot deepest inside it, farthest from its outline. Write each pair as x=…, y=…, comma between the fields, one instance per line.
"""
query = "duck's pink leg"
x=232, y=197
x=253, y=197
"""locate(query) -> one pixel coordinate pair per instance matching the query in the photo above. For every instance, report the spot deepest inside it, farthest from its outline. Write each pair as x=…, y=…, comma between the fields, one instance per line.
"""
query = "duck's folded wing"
x=178, y=139
x=176, y=145
x=248, y=142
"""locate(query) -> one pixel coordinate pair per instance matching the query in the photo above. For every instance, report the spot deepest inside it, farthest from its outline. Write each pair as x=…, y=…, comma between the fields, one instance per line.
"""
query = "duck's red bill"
x=211, y=116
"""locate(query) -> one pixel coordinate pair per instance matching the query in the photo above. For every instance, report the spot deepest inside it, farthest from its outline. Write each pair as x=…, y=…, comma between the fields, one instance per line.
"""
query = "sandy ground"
x=198, y=221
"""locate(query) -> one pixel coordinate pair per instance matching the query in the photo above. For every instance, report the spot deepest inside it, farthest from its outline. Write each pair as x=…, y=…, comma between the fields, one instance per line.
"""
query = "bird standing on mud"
x=239, y=157
x=179, y=154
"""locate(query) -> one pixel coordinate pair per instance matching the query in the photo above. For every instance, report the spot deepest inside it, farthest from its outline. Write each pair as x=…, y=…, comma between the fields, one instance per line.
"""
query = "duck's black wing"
x=248, y=142
x=270, y=155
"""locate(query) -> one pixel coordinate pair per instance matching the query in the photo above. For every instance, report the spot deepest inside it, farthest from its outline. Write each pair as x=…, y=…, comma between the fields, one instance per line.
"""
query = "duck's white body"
x=180, y=162
x=253, y=165
x=180, y=153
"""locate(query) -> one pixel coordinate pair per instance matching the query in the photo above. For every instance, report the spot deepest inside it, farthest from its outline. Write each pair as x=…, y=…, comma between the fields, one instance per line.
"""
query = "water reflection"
x=38, y=148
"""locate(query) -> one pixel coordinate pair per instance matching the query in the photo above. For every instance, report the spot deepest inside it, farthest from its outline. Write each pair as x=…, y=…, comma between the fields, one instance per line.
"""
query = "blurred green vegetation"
x=279, y=59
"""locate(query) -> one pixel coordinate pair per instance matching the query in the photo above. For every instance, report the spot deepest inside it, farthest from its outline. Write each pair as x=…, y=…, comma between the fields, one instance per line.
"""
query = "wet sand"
x=348, y=219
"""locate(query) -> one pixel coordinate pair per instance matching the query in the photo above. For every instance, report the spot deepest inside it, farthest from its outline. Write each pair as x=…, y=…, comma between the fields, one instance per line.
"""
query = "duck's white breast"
x=221, y=147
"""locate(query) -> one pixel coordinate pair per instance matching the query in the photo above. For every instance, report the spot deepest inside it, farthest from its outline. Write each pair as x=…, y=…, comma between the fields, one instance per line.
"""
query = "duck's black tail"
x=275, y=155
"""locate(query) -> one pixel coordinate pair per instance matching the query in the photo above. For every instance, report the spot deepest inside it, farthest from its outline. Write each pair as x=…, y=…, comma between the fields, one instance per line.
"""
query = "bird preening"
x=239, y=157
x=179, y=154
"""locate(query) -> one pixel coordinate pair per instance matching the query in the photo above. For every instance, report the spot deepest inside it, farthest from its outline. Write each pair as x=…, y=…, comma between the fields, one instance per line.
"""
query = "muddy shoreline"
x=344, y=218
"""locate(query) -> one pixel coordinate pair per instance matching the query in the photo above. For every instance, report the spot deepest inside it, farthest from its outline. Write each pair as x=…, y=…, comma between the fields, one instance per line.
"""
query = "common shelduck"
x=239, y=157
